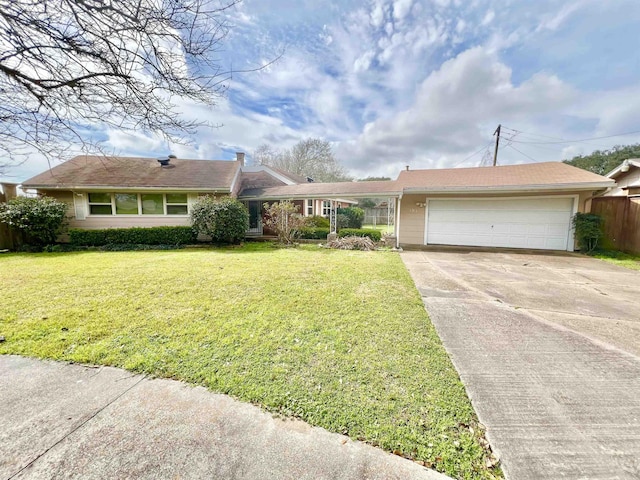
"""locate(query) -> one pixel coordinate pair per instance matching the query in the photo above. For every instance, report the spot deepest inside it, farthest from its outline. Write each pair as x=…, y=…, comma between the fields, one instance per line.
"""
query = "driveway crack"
x=78, y=427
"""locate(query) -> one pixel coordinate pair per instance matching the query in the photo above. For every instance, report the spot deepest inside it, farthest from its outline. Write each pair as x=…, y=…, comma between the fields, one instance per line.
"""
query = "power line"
x=531, y=158
x=575, y=140
x=473, y=154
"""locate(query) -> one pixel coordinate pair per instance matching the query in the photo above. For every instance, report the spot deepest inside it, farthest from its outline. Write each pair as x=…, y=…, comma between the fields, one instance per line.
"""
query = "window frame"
x=326, y=208
x=112, y=204
x=176, y=204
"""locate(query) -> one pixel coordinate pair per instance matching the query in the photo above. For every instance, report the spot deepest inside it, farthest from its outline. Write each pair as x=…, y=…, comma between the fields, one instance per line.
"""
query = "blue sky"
x=419, y=83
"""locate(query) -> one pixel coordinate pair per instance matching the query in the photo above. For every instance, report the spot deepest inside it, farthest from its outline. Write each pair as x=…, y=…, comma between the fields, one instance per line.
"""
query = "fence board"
x=621, y=217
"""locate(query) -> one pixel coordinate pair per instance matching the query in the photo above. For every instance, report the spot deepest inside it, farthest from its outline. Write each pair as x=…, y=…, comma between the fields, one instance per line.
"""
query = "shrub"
x=352, y=243
x=354, y=217
x=342, y=221
x=314, y=233
x=225, y=220
x=41, y=219
x=283, y=218
x=316, y=221
x=138, y=236
x=588, y=228
x=374, y=235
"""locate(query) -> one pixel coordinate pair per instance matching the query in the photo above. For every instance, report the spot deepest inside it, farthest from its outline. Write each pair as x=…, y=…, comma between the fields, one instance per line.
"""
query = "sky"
x=422, y=83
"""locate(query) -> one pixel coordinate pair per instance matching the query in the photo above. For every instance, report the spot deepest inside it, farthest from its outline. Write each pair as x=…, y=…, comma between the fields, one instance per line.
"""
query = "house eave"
x=109, y=188
x=326, y=196
x=512, y=188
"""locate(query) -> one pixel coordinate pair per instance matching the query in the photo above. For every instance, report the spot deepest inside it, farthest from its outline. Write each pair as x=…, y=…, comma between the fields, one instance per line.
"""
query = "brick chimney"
x=240, y=158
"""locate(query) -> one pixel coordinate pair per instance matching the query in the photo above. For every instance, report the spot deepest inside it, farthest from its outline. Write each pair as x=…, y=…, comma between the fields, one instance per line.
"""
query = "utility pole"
x=495, y=153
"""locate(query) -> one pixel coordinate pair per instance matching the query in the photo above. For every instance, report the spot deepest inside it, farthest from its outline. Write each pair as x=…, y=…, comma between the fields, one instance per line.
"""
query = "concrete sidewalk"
x=70, y=421
x=557, y=403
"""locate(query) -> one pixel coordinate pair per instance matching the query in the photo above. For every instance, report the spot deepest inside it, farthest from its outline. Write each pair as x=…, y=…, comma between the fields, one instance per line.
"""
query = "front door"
x=255, y=217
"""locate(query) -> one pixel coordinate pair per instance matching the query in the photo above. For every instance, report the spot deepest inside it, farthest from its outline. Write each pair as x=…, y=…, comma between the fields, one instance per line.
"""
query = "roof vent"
x=164, y=162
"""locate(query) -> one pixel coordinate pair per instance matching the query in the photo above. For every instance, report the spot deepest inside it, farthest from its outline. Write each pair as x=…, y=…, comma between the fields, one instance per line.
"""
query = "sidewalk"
x=70, y=421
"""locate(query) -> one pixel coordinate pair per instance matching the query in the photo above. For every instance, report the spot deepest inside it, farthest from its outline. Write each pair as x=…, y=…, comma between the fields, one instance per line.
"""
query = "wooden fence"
x=621, y=217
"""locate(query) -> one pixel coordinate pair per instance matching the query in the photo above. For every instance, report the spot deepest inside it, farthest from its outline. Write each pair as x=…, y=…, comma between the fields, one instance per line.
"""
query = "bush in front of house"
x=352, y=217
x=314, y=233
x=225, y=220
x=130, y=236
x=374, y=235
x=588, y=228
x=41, y=219
x=283, y=218
x=316, y=221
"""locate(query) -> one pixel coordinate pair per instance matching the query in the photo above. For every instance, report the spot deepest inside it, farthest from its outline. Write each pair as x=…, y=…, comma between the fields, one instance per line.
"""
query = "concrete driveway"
x=548, y=347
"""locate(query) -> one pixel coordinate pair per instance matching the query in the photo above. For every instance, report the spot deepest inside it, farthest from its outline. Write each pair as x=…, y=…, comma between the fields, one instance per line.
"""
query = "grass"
x=382, y=228
x=339, y=339
x=620, y=258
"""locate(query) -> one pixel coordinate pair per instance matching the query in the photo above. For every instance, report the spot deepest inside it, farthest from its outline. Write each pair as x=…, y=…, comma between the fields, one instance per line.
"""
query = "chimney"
x=407, y=168
x=240, y=158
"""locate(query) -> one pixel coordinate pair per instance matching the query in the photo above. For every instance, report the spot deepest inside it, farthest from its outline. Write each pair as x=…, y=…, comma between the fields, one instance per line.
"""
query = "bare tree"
x=70, y=66
x=312, y=157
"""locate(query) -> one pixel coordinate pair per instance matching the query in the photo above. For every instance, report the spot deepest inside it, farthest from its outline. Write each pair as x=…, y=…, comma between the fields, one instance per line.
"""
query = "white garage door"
x=517, y=223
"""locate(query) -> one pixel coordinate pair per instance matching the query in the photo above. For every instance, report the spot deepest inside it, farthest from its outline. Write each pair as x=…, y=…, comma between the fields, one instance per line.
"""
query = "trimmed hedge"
x=317, y=221
x=314, y=233
x=136, y=235
x=374, y=235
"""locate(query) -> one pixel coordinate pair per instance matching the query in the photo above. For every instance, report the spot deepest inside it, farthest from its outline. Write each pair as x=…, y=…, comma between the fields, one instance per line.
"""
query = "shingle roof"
x=541, y=175
x=260, y=179
x=98, y=171
x=317, y=190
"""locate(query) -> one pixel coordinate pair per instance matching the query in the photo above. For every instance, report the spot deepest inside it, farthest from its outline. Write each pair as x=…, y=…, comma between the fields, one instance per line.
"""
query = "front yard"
x=339, y=339
x=619, y=258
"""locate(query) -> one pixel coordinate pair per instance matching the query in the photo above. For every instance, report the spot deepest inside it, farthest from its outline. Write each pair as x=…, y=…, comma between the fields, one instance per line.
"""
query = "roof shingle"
x=98, y=171
x=544, y=174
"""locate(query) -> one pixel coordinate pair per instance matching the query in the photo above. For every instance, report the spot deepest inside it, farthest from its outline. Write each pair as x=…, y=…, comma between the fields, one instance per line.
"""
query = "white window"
x=100, y=204
x=309, y=208
x=326, y=208
x=177, y=204
x=138, y=203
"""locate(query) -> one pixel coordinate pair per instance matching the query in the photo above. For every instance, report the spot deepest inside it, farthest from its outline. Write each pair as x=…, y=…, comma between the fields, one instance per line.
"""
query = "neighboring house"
x=627, y=177
x=517, y=206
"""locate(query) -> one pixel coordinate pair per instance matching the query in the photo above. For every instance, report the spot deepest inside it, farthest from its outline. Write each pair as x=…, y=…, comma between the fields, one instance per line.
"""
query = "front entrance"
x=255, y=217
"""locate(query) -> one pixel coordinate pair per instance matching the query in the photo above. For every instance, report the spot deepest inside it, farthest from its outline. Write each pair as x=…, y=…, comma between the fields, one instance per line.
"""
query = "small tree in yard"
x=284, y=219
x=41, y=219
x=588, y=228
x=225, y=220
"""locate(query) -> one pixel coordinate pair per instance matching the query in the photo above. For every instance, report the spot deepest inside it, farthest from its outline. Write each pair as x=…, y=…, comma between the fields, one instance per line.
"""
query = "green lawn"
x=383, y=228
x=339, y=339
x=620, y=258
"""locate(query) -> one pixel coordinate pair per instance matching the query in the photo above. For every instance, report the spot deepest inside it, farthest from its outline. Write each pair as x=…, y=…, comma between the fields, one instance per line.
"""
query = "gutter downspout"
x=398, y=221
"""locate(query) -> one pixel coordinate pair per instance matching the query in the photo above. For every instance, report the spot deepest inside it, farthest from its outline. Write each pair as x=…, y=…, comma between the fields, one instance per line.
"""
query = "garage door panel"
x=517, y=223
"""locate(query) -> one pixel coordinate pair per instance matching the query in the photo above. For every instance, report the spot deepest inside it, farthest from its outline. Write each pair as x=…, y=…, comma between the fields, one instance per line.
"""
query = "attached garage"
x=531, y=222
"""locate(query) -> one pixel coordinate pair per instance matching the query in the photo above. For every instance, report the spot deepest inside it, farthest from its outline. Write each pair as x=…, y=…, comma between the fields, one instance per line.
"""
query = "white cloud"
x=454, y=112
x=377, y=15
x=401, y=9
x=488, y=18
x=553, y=22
